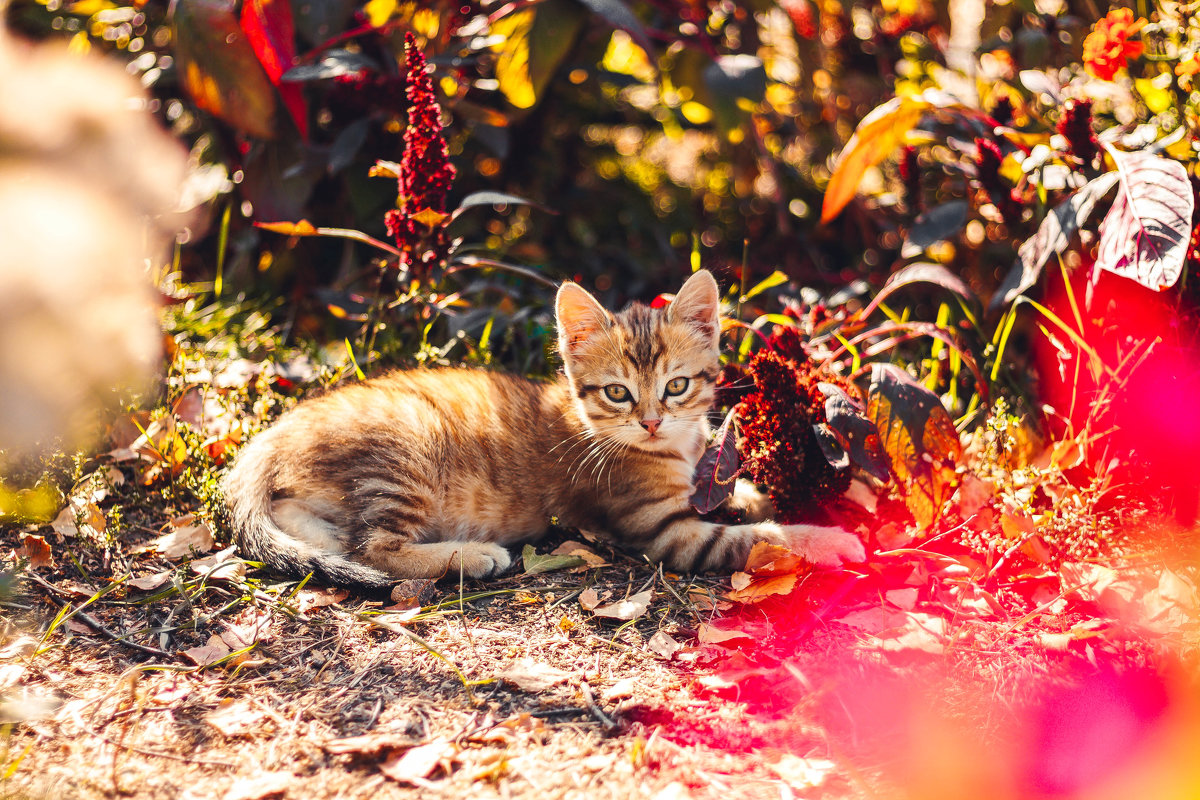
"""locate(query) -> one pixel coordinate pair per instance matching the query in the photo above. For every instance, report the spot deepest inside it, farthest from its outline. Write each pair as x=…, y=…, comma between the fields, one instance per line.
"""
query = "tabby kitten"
x=427, y=472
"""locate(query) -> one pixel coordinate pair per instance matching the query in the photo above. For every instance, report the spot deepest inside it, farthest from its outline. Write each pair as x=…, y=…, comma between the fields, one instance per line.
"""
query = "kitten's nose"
x=651, y=425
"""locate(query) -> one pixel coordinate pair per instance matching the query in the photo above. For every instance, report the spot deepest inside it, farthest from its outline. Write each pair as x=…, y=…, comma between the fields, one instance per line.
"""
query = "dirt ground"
x=201, y=678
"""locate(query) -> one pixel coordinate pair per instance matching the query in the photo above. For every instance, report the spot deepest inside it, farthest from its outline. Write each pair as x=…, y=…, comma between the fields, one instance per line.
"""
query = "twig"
x=172, y=756
x=94, y=623
x=604, y=719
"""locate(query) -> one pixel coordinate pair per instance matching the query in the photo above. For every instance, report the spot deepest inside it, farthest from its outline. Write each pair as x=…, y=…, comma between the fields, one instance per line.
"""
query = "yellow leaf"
x=430, y=218
x=625, y=57
x=876, y=137
x=512, y=67
x=380, y=11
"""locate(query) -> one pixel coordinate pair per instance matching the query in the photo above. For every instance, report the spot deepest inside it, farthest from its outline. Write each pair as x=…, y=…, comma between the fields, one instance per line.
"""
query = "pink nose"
x=651, y=425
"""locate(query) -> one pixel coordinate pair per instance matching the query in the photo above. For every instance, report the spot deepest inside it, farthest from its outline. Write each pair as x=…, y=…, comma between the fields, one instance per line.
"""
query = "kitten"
x=429, y=472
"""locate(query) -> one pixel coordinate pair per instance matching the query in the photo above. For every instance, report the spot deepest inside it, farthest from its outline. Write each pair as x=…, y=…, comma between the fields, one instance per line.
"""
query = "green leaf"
x=770, y=282
x=536, y=564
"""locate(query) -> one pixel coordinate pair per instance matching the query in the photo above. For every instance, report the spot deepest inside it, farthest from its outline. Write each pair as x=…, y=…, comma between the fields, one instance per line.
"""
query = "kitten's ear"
x=579, y=316
x=698, y=304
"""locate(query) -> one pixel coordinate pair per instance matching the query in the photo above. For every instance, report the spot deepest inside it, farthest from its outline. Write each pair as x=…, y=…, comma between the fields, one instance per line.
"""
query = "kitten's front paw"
x=825, y=547
x=480, y=559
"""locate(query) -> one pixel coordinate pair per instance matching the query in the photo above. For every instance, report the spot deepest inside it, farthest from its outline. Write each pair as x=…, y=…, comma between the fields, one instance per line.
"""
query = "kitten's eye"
x=617, y=393
x=677, y=386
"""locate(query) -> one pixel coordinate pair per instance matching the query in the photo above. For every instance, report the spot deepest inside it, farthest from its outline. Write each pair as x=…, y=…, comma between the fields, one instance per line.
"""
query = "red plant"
x=1075, y=126
x=1107, y=49
x=775, y=425
x=425, y=172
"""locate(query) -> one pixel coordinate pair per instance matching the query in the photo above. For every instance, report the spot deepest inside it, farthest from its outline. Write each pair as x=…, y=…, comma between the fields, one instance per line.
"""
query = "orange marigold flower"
x=1107, y=49
x=1189, y=66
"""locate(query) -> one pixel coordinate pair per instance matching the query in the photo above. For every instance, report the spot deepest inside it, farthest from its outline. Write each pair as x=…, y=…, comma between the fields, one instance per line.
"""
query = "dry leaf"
x=921, y=632
x=902, y=598
x=663, y=645
x=207, y=654
x=309, y=599
x=749, y=589
x=220, y=565
x=588, y=599
x=619, y=690
x=36, y=550
x=148, y=583
x=185, y=540
x=236, y=718
x=412, y=593
x=801, y=773
x=580, y=550
x=369, y=743
x=417, y=763
x=533, y=676
x=627, y=609
x=705, y=600
x=711, y=634
x=565, y=624
x=874, y=620
x=260, y=787
x=78, y=628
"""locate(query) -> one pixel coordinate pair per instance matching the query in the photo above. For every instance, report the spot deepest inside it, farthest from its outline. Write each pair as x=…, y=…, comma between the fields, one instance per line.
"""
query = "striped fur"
x=430, y=472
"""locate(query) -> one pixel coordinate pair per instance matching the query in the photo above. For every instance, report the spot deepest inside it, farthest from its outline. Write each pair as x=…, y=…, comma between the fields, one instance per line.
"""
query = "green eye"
x=617, y=393
x=677, y=386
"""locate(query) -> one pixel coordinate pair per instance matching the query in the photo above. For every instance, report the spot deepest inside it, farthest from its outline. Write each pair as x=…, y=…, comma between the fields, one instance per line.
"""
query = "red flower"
x=425, y=172
x=1107, y=49
x=776, y=439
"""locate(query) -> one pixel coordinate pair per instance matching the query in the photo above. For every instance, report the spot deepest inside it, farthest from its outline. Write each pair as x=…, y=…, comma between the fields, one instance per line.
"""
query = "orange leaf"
x=710, y=634
x=877, y=136
x=758, y=589
x=301, y=228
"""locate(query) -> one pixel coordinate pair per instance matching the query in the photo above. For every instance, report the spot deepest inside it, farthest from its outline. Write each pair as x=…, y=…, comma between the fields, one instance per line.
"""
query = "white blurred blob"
x=88, y=182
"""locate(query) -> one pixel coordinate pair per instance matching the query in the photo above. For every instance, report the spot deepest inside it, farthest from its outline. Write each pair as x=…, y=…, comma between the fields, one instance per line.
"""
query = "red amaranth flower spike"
x=425, y=172
x=1075, y=126
x=776, y=437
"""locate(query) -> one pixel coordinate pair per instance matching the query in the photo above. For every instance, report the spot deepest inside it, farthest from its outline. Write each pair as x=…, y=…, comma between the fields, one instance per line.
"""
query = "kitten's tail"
x=247, y=489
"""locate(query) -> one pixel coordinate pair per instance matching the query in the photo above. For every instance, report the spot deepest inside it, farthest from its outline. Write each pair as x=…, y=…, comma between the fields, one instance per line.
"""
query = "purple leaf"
x=718, y=468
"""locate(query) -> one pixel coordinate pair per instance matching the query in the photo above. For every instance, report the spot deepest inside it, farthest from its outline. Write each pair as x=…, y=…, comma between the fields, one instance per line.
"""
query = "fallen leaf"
x=588, y=599
x=710, y=634
x=220, y=566
x=533, y=676
x=370, y=743
x=704, y=600
x=309, y=599
x=902, y=598
x=874, y=620
x=148, y=583
x=921, y=632
x=506, y=731
x=236, y=718
x=185, y=540
x=801, y=773
x=748, y=589
x=36, y=550
x=619, y=690
x=270, y=784
x=580, y=550
x=64, y=524
x=566, y=624
x=536, y=563
x=663, y=645
x=416, y=764
x=209, y=653
x=78, y=628
x=627, y=609
x=412, y=593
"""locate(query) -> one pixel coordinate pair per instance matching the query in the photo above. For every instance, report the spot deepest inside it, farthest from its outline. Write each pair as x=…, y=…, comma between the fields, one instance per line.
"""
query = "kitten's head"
x=644, y=377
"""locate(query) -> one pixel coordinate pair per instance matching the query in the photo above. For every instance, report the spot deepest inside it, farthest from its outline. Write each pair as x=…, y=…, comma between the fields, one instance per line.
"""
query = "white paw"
x=480, y=559
x=826, y=547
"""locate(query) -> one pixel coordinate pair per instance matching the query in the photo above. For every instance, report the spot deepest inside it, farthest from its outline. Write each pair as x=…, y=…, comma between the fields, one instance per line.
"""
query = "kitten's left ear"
x=698, y=304
x=579, y=316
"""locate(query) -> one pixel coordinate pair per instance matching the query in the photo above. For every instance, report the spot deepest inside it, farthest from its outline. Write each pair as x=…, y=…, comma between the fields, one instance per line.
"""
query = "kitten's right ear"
x=579, y=316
